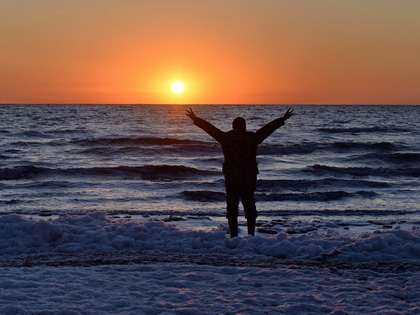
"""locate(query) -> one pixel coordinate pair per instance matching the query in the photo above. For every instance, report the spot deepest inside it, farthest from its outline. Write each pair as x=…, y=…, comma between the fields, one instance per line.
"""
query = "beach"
x=95, y=264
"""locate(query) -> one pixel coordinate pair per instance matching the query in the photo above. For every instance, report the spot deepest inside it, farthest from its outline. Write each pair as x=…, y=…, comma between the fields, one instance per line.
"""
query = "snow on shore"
x=97, y=233
x=193, y=289
x=201, y=272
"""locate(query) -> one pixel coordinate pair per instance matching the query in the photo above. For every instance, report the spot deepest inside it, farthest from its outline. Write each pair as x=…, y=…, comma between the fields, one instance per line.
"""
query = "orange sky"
x=224, y=51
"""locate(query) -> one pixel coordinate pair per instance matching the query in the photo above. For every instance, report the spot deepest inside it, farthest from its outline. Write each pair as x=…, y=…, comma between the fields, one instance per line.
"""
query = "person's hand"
x=191, y=114
x=288, y=114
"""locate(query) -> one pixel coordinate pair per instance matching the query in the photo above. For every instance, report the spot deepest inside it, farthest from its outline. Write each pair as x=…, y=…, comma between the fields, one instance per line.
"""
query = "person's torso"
x=240, y=152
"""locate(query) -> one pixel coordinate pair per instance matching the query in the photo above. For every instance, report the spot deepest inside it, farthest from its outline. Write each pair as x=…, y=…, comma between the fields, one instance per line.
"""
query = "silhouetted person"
x=240, y=167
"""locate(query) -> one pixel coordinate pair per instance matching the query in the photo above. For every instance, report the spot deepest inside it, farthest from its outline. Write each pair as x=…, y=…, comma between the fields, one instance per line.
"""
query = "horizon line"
x=191, y=104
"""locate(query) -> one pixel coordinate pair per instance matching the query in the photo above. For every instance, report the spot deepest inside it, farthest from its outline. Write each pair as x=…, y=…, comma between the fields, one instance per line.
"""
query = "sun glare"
x=177, y=87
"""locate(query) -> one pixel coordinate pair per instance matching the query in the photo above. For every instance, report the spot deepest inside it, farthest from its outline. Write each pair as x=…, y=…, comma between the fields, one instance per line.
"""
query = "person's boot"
x=233, y=227
x=251, y=226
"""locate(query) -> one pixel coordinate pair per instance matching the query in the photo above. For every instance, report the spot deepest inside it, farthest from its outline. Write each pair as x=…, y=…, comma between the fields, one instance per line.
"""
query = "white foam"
x=96, y=232
x=192, y=289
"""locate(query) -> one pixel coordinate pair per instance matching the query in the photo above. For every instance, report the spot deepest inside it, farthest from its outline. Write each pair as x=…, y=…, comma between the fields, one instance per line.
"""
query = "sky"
x=223, y=51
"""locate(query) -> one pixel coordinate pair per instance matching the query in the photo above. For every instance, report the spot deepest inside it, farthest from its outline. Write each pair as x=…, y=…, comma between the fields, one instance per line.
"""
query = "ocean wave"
x=203, y=195
x=393, y=158
x=180, y=149
x=12, y=151
x=322, y=196
x=302, y=148
x=150, y=141
x=300, y=184
x=53, y=184
x=336, y=147
x=114, y=150
x=68, y=131
x=320, y=170
x=10, y=202
x=126, y=145
x=327, y=213
x=35, y=134
x=207, y=196
x=375, y=146
x=148, y=172
x=365, y=130
x=21, y=172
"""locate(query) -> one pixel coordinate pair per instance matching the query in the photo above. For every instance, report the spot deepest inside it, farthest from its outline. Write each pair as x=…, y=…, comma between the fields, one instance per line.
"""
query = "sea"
x=99, y=202
x=339, y=163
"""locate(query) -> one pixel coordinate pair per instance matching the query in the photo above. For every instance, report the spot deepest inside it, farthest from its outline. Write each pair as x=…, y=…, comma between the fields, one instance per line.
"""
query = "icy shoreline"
x=93, y=263
x=179, y=288
x=148, y=257
x=98, y=233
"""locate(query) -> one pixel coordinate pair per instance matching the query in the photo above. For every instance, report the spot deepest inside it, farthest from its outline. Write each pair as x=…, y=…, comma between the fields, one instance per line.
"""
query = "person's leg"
x=232, y=204
x=248, y=201
x=233, y=227
x=251, y=226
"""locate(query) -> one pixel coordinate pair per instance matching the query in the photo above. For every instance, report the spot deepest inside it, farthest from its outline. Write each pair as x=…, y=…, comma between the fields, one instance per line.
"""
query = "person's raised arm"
x=216, y=133
x=272, y=126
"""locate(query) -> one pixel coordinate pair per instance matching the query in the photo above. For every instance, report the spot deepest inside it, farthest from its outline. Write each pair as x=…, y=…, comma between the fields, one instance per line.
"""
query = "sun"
x=177, y=87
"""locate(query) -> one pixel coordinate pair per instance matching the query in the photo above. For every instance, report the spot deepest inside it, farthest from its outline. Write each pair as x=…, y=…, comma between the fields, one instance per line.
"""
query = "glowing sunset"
x=209, y=157
x=293, y=52
x=177, y=87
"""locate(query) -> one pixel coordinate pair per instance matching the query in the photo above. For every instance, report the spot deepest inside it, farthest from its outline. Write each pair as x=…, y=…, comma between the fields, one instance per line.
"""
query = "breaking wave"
x=364, y=130
x=148, y=172
x=393, y=158
x=207, y=196
x=363, y=171
x=337, y=147
x=300, y=184
x=323, y=196
x=135, y=141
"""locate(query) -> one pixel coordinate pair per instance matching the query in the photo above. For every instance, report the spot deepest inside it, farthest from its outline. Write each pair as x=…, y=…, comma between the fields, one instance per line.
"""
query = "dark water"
x=327, y=160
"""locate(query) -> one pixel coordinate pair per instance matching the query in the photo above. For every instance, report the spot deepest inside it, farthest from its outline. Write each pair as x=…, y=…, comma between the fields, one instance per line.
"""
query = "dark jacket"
x=239, y=146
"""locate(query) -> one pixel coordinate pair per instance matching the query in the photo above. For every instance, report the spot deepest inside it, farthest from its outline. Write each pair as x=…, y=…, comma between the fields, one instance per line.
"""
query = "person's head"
x=239, y=124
